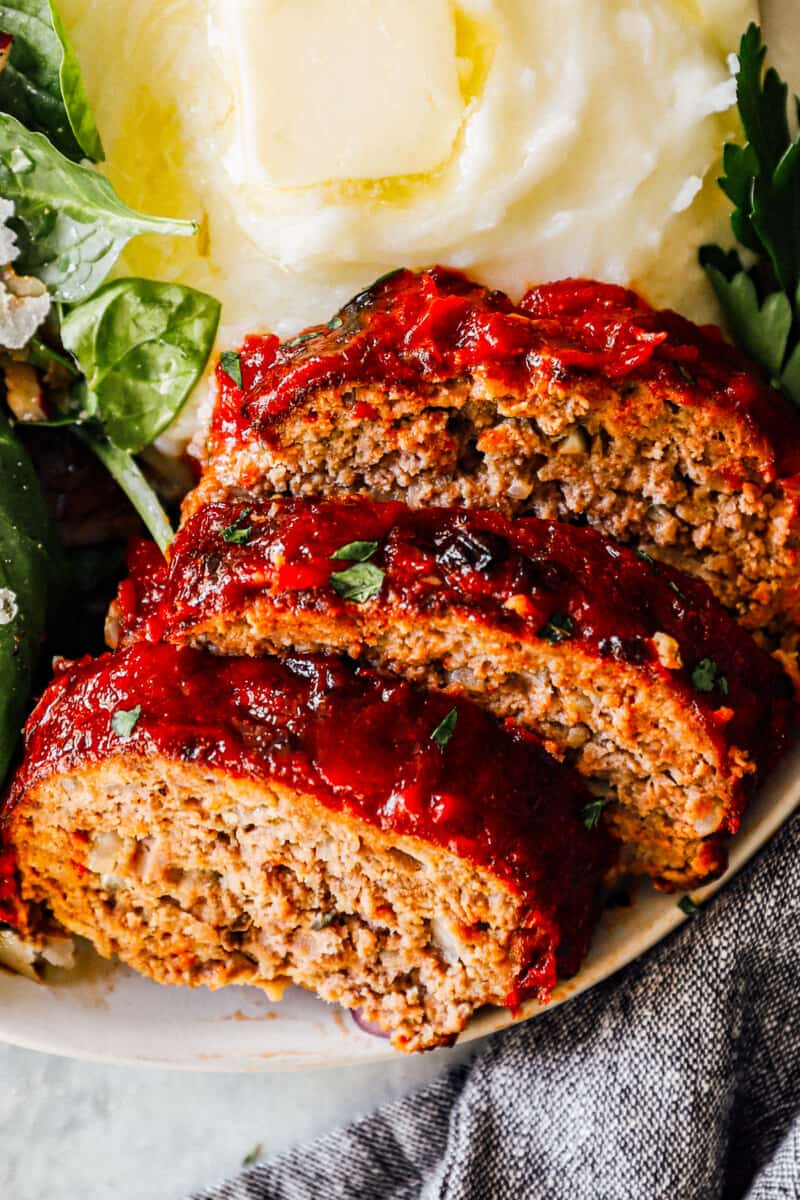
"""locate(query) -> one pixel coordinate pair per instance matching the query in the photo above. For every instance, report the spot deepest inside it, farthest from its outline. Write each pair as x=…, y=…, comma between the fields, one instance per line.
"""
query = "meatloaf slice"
x=205, y=820
x=580, y=403
x=626, y=667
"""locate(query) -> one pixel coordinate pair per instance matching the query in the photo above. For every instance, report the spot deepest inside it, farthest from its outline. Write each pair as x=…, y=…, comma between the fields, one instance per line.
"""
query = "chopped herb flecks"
x=335, y=322
x=301, y=338
x=252, y=1155
x=559, y=628
x=323, y=920
x=238, y=533
x=592, y=812
x=706, y=677
x=232, y=366
x=124, y=722
x=445, y=729
x=360, y=583
x=356, y=551
x=646, y=557
x=688, y=907
x=676, y=589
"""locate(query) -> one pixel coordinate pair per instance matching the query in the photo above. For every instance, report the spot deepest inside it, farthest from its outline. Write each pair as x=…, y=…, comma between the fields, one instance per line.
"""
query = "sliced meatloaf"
x=626, y=667
x=580, y=403
x=205, y=820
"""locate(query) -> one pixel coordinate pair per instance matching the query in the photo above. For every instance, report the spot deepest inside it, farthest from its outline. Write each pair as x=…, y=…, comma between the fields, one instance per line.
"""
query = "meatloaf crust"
x=625, y=666
x=204, y=820
x=581, y=402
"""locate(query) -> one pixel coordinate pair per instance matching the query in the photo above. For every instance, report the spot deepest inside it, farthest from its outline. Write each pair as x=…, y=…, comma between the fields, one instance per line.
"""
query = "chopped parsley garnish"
x=592, y=812
x=384, y=278
x=238, y=533
x=360, y=583
x=646, y=557
x=445, y=729
x=335, y=322
x=688, y=907
x=706, y=677
x=676, y=589
x=252, y=1155
x=762, y=179
x=356, y=551
x=324, y=920
x=301, y=338
x=559, y=628
x=232, y=366
x=124, y=721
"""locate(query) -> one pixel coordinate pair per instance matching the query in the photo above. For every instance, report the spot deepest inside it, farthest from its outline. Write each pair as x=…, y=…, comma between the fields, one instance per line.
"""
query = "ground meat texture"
x=203, y=819
x=579, y=404
x=625, y=667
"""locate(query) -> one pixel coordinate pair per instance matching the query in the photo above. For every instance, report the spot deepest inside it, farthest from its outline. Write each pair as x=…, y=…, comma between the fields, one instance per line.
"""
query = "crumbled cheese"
x=668, y=651
x=24, y=302
x=8, y=606
x=8, y=239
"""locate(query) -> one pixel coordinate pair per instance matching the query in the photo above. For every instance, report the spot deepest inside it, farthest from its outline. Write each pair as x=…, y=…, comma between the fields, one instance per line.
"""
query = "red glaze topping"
x=490, y=795
x=8, y=888
x=412, y=329
x=533, y=578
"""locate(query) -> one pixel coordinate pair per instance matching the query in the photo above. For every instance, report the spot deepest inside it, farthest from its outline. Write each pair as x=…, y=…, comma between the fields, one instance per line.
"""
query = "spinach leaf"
x=42, y=84
x=29, y=561
x=71, y=226
x=142, y=346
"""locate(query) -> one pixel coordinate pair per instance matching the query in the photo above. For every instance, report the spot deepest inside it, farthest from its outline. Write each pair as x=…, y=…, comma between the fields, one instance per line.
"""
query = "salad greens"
x=71, y=226
x=141, y=347
x=124, y=355
x=29, y=560
x=42, y=85
x=762, y=301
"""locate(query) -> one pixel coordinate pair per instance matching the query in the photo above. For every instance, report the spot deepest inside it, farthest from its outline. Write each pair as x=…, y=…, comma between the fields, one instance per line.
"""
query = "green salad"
x=126, y=353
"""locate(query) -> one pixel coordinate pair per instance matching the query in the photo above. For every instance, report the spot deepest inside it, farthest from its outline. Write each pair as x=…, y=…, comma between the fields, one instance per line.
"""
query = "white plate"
x=108, y=1013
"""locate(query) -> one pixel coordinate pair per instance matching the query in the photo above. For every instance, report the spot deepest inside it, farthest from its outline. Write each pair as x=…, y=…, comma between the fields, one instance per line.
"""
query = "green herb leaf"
x=356, y=551
x=124, y=722
x=323, y=921
x=559, y=628
x=30, y=570
x=42, y=84
x=688, y=907
x=142, y=346
x=645, y=557
x=592, y=812
x=238, y=533
x=360, y=583
x=445, y=729
x=301, y=338
x=762, y=179
x=706, y=677
x=231, y=364
x=761, y=330
x=71, y=226
x=252, y=1155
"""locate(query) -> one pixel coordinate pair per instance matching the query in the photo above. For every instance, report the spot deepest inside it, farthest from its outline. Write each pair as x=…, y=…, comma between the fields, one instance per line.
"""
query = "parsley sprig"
x=762, y=302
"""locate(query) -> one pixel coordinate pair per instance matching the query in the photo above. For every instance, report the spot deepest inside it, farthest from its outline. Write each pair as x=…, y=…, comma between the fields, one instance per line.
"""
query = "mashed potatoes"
x=586, y=140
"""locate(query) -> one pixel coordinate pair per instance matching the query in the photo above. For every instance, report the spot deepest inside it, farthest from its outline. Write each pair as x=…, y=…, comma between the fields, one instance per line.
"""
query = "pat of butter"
x=341, y=89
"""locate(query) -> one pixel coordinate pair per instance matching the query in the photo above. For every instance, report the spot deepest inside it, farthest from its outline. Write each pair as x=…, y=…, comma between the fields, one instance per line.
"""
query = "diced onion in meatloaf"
x=581, y=402
x=215, y=821
x=626, y=667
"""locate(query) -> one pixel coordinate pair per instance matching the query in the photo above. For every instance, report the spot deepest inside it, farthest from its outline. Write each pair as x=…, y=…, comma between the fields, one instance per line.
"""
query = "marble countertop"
x=82, y=1131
